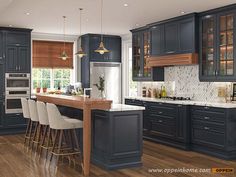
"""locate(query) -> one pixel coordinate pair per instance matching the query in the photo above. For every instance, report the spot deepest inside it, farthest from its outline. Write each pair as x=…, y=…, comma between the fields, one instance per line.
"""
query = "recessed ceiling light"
x=27, y=13
x=136, y=24
x=126, y=5
x=182, y=12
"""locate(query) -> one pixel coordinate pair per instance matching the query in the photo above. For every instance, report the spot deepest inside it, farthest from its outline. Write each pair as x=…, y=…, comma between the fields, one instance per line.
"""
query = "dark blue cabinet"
x=213, y=131
x=217, y=45
x=1, y=113
x=157, y=40
x=165, y=123
x=18, y=52
x=2, y=68
x=112, y=43
x=90, y=43
x=174, y=36
x=171, y=38
x=141, y=46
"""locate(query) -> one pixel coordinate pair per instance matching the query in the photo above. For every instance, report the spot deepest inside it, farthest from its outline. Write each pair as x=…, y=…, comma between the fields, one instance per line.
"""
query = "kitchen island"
x=116, y=129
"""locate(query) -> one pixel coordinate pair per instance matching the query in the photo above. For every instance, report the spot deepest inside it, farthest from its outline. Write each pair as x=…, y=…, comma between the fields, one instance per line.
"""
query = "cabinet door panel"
x=186, y=32
x=1, y=112
x=114, y=46
x=1, y=48
x=18, y=38
x=11, y=59
x=156, y=40
x=171, y=38
x=94, y=44
x=23, y=59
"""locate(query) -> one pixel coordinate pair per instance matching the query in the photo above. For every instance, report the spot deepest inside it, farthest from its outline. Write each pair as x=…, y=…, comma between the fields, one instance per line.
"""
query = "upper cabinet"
x=174, y=36
x=112, y=43
x=18, y=51
x=217, y=46
x=141, y=45
x=2, y=75
x=171, y=38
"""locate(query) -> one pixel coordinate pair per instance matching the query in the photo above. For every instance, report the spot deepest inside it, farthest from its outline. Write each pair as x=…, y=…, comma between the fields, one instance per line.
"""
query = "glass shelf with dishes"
x=226, y=48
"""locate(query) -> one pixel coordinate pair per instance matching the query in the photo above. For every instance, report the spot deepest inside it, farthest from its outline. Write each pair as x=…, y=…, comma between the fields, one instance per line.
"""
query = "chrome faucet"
x=86, y=89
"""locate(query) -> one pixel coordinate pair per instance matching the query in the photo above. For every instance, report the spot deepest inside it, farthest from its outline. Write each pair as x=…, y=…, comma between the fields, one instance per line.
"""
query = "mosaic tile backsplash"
x=184, y=81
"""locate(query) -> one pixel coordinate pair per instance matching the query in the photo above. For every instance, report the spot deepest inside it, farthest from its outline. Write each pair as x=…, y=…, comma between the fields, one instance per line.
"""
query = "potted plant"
x=38, y=88
x=44, y=87
x=101, y=86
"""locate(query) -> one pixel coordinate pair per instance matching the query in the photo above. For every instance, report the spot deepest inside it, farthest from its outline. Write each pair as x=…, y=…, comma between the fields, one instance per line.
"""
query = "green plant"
x=101, y=85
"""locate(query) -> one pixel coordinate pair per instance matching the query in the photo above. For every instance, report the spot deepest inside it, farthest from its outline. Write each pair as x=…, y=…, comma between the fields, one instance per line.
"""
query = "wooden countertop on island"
x=86, y=104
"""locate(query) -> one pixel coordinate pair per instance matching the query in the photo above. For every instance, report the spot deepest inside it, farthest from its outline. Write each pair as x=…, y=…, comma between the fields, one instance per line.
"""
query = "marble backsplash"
x=184, y=81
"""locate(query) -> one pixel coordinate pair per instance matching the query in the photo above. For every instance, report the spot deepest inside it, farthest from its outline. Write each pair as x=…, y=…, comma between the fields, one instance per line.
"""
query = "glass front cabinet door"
x=141, y=52
x=217, y=51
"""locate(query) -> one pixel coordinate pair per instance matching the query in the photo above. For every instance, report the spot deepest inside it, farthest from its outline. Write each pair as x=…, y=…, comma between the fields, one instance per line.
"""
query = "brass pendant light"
x=101, y=49
x=80, y=52
x=64, y=55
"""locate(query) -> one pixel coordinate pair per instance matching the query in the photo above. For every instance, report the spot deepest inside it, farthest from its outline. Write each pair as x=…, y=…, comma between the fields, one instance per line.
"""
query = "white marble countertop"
x=124, y=107
x=188, y=102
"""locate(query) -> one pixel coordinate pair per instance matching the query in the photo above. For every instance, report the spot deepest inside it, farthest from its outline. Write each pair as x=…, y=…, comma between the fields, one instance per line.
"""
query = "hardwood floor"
x=16, y=162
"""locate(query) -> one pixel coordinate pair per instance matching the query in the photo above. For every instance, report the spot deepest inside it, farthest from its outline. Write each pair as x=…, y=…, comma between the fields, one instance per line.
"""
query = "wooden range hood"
x=173, y=60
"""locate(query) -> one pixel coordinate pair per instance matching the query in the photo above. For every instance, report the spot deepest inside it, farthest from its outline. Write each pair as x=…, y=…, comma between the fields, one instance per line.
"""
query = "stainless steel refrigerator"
x=112, y=75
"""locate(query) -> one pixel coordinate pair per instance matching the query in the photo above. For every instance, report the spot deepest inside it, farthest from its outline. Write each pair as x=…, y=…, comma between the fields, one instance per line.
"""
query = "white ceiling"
x=46, y=15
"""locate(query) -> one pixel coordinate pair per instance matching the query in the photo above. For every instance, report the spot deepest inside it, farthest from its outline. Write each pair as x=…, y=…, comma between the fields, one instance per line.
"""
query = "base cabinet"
x=213, y=131
x=165, y=123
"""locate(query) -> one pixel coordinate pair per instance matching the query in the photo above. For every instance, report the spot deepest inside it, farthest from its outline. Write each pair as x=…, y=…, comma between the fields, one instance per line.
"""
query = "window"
x=50, y=78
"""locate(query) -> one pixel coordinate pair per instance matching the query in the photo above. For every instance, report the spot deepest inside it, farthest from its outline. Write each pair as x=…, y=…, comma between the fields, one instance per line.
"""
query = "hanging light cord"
x=64, y=31
x=80, y=20
x=101, y=19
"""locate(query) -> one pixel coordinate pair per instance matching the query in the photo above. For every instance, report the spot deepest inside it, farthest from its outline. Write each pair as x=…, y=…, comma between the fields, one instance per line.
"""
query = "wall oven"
x=17, y=81
x=17, y=87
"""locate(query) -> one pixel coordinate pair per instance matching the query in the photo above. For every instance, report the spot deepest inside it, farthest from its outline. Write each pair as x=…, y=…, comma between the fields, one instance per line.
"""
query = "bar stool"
x=61, y=124
x=35, y=120
x=26, y=115
x=43, y=120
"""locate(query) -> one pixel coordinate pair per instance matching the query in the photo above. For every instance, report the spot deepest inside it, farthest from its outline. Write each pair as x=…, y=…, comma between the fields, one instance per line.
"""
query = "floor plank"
x=15, y=161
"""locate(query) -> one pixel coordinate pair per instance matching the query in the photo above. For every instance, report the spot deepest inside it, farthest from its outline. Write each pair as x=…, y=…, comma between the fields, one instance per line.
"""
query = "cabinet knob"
x=206, y=107
x=160, y=112
x=206, y=118
x=17, y=44
x=160, y=121
x=160, y=103
x=206, y=128
x=170, y=52
x=19, y=67
x=179, y=105
x=1, y=58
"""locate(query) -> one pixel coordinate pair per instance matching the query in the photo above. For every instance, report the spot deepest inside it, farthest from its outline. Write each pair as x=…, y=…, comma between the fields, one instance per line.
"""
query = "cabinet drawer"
x=209, y=126
x=209, y=117
x=133, y=102
x=12, y=120
x=201, y=109
x=162, y=109
x=208, y=135
x=160, y=119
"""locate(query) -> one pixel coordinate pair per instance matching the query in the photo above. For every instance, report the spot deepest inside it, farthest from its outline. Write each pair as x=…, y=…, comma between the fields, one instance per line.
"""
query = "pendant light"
x=101, y=49
x=80, y=52
x=64, y=55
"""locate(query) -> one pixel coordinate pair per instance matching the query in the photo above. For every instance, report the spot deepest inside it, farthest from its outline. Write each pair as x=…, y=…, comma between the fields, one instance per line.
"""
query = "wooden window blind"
x=46, y=54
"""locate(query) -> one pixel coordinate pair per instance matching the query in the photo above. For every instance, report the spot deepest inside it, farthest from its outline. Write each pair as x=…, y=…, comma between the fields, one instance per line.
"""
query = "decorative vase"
x=102, y=95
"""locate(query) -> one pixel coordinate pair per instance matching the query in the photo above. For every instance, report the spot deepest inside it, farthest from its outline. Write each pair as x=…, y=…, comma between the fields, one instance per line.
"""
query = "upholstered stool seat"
x=65, y=129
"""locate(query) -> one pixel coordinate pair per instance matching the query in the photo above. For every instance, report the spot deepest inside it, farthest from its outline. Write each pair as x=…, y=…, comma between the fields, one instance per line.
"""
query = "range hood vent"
x=173, y=60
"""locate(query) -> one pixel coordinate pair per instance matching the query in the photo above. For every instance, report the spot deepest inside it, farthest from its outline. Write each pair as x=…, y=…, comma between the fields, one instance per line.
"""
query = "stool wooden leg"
x=59, y=146
x=45, y=127
x=49, y=138
x=30, y=133
x=27, y=131
x=38, y=141
x=53, y=147
x=35, y=134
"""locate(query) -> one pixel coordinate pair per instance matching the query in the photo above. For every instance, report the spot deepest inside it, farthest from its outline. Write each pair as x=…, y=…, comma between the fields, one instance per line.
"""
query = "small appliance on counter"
x=234, y=92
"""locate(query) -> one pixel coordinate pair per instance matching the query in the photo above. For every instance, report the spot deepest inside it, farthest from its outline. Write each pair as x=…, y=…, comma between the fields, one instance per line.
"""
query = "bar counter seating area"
x=107, y=88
